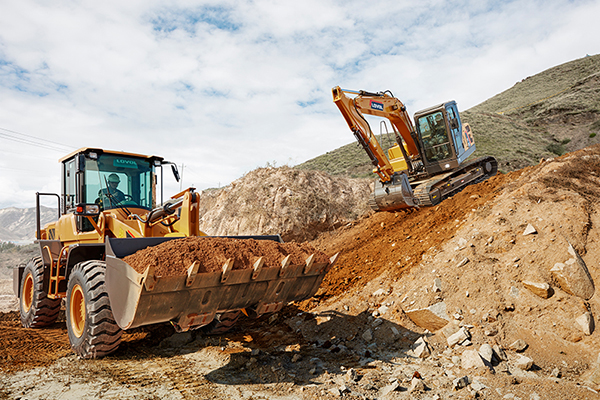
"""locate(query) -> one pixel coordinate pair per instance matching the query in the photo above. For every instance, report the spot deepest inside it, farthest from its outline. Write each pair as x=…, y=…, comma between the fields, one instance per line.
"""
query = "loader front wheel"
x=91, y=326
x=35, y=307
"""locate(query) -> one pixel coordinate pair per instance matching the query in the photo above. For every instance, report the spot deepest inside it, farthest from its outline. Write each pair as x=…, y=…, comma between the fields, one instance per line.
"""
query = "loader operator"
x=111, y=196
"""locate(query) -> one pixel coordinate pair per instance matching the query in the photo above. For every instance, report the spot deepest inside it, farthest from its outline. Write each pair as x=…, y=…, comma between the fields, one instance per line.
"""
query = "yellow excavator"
x=427, y=163
x=106, y=212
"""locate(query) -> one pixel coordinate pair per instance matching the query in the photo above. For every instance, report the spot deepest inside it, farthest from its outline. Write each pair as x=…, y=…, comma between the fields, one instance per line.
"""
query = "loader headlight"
x=87, y=209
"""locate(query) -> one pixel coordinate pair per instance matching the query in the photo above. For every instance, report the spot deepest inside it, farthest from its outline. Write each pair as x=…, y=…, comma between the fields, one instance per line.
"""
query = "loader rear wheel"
x=35, y=307
x=91, y=326
x=222, y=323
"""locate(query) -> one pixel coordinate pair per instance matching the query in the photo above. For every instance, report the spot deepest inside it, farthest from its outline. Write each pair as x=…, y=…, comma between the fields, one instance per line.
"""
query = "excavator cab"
x=446, y=143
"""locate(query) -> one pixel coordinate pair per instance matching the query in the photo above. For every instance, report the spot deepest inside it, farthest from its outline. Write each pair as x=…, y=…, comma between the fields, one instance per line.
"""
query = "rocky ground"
x=490, y=294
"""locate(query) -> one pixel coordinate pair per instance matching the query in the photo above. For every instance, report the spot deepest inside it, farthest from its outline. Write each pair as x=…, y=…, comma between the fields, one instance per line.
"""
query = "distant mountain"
x=542, y=116
x=18, y=224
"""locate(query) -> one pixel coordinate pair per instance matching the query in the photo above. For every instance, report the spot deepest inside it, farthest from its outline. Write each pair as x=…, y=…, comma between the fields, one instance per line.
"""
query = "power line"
x=33, y=140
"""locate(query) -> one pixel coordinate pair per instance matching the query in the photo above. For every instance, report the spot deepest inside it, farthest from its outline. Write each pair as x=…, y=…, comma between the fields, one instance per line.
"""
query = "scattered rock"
x=431, y=318
x=518, y=346
x=530, y=230
x=477, y=386
x=524, y=363
x=499, y=353
x=421, y=348
x=378, y=292
x=335, y=391
x=462, y=382
x=471, y=359
x=383, y=309
x=352, y=375
x=555, y=373
x=514, y=292
x=459, y=337
x=296, y=358
x=464, y=262
x=389, y=388
x=586, y=323
x=573, y=276
x=437, y=285
x=540, y=289
x=367, y=335
x=486, y=352
x=416, y=385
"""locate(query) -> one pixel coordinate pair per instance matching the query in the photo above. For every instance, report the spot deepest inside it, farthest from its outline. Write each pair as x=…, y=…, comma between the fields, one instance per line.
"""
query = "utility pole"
x=181, y=178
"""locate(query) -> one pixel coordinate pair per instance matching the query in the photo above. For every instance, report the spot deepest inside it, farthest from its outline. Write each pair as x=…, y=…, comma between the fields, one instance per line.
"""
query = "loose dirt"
x=174, y=257
x=355, y=338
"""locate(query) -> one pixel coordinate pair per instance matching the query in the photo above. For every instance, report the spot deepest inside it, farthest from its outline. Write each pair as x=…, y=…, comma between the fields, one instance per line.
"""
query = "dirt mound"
x=479, y=247
x=174, y=257
x=295, y=204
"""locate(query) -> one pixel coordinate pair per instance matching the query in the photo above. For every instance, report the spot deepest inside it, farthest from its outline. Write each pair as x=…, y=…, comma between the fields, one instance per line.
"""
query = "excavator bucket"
x=191, y=299
x=395, y=194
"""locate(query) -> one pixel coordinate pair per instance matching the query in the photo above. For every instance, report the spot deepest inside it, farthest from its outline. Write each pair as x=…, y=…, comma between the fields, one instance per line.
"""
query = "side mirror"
x=175, y=172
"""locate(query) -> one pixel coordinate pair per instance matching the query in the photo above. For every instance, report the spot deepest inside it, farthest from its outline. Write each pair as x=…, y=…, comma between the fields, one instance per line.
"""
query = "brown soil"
x=397, y=241
x=29, y=348
x=174, y=257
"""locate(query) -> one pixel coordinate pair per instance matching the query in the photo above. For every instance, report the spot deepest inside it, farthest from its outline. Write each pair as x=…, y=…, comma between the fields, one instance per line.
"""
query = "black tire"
x=36, y=308
x=222, y=323
x=91, y=326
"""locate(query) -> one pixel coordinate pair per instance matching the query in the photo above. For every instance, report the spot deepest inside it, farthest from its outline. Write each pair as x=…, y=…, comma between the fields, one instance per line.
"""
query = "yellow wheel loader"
x=106, y=212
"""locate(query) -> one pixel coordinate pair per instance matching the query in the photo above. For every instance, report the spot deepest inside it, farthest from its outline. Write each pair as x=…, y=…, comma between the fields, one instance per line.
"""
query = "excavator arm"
x=381, y=105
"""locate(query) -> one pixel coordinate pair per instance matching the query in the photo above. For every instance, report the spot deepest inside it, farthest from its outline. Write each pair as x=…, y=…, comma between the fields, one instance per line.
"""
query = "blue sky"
x=225, y=87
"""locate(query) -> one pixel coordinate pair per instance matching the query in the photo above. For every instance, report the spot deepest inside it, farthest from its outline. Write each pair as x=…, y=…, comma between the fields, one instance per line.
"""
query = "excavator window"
x=432, y=129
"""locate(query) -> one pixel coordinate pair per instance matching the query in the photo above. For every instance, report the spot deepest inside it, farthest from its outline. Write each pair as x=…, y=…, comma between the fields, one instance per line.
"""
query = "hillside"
x=542, y=116
x=18, y=224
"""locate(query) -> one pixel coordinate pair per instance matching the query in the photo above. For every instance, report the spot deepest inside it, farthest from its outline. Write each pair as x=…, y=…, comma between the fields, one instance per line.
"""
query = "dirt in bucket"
x=174, y=257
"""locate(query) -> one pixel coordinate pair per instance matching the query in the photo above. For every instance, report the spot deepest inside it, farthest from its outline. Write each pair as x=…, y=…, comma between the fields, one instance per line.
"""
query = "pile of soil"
x=174, y=257
x=296, y=204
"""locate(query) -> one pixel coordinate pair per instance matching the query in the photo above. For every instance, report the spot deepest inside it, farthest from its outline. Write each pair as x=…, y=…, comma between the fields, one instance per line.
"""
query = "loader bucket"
x=192, y=299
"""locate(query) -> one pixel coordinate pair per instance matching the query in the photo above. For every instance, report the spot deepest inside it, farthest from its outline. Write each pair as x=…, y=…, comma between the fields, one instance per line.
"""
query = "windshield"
x=434, y=137
x=115, y=180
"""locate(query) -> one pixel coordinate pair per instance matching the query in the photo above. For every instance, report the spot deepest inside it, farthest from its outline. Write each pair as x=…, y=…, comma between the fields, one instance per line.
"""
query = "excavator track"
x=436, y=189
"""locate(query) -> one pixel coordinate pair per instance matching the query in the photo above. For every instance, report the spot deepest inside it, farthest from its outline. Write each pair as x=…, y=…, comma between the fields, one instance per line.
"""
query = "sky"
x=224, y=87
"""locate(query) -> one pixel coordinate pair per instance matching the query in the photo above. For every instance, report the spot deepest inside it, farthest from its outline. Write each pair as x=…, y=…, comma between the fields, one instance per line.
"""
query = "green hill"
x=545, y=115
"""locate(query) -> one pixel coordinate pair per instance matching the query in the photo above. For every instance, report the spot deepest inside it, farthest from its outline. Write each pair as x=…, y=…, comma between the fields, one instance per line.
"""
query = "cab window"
x=434, y=136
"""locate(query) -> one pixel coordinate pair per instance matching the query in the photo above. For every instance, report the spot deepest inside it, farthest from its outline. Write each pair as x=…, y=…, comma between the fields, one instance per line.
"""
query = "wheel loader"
x=427, y=164
x=107, y=212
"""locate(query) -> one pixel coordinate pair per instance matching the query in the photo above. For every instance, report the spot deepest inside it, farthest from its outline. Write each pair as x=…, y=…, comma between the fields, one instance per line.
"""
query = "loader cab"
x=444, y=144
x=87, y=176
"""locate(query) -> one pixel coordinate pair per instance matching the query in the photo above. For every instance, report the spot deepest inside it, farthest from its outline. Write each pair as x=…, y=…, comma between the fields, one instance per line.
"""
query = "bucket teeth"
x=150, y=279
x=257, y=267
x=227, y=267
x=192, y=271
x=285, y=263
x=309, y=263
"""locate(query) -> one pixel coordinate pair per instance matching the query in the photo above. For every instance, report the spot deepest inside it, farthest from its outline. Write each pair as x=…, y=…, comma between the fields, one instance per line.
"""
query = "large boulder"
x=573, y=276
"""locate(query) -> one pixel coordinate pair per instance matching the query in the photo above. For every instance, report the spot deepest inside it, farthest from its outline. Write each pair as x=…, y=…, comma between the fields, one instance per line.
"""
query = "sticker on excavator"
x=376, y=105
x=192, y=299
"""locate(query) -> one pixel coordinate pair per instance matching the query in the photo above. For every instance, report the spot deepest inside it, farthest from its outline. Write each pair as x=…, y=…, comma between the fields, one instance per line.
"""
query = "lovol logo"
x=120, y=162
x=376, y=106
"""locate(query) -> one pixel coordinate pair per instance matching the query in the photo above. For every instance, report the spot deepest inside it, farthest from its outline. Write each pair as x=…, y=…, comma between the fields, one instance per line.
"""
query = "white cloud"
x=226, y=86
